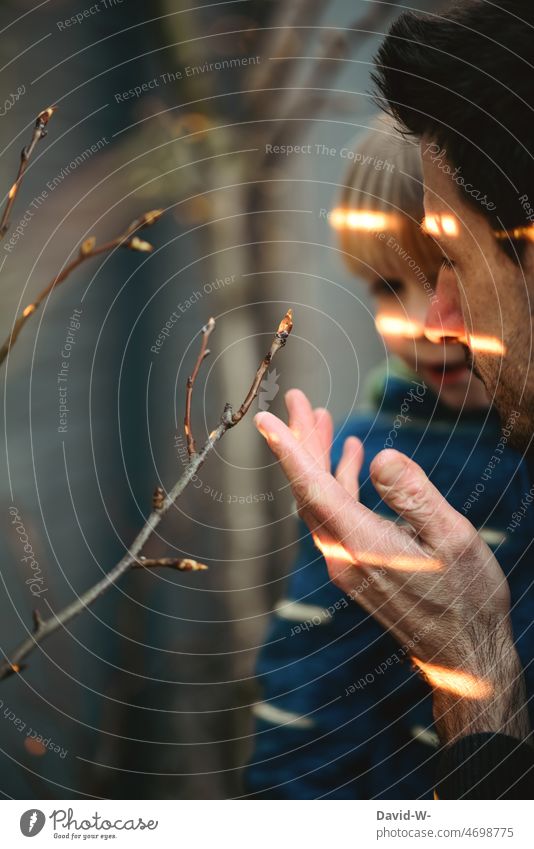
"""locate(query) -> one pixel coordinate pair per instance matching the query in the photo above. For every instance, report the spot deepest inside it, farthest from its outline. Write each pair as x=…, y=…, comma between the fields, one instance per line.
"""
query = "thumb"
x=404, y=487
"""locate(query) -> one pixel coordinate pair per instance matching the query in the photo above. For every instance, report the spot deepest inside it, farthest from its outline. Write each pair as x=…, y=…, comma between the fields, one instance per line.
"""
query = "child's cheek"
x=401, y=347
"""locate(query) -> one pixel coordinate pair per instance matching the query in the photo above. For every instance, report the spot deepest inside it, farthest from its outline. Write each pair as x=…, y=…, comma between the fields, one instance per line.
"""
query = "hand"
x=434, y=584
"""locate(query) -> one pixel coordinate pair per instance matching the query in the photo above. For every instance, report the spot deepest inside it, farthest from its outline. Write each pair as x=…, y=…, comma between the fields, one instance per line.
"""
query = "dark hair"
x=465, y=79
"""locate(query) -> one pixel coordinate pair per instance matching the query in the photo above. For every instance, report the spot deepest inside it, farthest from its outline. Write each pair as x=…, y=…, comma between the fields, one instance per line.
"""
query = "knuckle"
x=413, y=499
x=466, y=539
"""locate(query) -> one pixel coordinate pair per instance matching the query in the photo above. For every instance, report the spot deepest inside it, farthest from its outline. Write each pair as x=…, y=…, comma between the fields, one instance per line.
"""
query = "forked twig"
x=204, y=352
x=284, y=329
x=43, y=628
x=88, y=249
x=39, y=132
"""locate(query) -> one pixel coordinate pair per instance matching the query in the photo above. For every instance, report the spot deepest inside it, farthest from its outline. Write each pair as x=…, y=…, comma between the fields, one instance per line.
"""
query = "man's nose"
x=444, y=320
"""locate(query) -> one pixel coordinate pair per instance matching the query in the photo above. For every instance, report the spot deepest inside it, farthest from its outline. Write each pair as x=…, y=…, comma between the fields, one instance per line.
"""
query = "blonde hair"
x=385, y=176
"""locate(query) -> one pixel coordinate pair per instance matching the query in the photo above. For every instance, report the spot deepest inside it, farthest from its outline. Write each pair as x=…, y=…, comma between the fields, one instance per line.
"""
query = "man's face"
x=484, y=300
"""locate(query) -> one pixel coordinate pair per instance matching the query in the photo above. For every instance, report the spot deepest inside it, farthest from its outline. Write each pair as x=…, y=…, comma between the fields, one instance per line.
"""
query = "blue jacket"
x=343, y=714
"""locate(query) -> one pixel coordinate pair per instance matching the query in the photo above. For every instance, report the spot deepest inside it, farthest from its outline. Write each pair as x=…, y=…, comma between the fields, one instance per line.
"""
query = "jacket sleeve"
x=309, y=740
x=294, y=678
x=486, y=766
x=330, y=723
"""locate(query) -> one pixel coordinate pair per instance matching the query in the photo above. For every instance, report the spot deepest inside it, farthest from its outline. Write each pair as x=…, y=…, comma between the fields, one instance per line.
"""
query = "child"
x=343, y=714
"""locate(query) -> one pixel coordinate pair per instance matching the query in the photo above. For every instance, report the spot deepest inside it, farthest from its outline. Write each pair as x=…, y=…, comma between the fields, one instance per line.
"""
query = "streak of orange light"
x=516, y=233
x=404, y=563
x=360, y=219
x=452, y=681
x=437, y=225
x=333, y=549
x=437, y=335
x=449, y=225
x=390, y=325
x=431, y=225
x=474, y=341
x=338, y=218
x=486, y=344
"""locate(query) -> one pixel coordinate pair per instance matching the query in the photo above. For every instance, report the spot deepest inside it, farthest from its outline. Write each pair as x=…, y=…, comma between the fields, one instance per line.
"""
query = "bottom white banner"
x=267, y=824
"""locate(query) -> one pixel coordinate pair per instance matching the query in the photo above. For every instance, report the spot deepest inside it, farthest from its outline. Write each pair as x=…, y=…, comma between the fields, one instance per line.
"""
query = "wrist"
x=501, y=706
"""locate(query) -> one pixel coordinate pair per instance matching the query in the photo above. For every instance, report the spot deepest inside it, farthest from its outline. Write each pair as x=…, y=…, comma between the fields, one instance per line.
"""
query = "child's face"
x=401, y=307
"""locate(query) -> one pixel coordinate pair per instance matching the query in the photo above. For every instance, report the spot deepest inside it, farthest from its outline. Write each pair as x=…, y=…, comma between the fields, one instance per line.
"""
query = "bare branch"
x=132, y=558
x=204, y=351
x=88, y=249
x=181, y=564
x=39, y=132
x=284, y=329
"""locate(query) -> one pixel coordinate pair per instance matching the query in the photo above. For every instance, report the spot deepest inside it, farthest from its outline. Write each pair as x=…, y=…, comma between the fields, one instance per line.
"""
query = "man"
x=464, y=84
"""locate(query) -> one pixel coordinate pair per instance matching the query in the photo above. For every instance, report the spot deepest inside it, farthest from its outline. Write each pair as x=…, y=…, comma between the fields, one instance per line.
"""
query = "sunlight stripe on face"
x=361, y=219
x=485, y=344
x=390, y=325
x=440, y=225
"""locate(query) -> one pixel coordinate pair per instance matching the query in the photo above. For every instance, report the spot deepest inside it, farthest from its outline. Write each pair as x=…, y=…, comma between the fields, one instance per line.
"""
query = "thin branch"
x=284, y=329
x=39, y=132
x=204, y=352
x=131, y=559
x=88, y=249
x=184, y=564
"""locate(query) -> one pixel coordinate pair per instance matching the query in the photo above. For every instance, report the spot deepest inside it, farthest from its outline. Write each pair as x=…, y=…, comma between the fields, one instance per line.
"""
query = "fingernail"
x=271, y=438
x=388, y=475
x=258, y=421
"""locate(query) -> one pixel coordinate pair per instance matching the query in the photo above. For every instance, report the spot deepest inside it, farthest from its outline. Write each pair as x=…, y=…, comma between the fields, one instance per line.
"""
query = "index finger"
x=366, y=538
x=313, y=487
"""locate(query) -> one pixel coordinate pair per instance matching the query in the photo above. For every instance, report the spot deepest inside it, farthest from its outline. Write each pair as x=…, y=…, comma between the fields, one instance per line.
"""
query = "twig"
x=204, y=352
x=131, y=559
x=39, y=132
x=88, y=249
x=284, y=329
x=184, y=564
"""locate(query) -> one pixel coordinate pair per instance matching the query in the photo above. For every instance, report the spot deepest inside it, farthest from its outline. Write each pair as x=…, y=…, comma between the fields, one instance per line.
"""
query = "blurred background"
x=148, y=694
